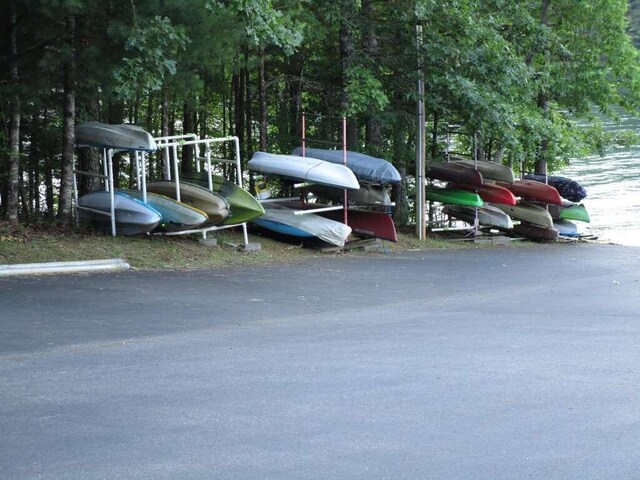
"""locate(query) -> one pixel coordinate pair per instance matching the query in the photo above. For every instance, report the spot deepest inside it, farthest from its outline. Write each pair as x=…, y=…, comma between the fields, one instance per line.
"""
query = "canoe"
x=307, y=169
x=488, y=215
x=448, y=172
x=570, y=211
x=452, y=196
x=567, y=188
x=284, y=221
x=118, y=137
x=489, y=192
x=533, y=190
x=567, y=228
x=528, y=212
x=365, y=167
x=536, y=232
x=242, y=205
x=214, y=205
x=176, y=215
x=366, y=223
x=132, y=216
x=367, y=194
x=489, y=170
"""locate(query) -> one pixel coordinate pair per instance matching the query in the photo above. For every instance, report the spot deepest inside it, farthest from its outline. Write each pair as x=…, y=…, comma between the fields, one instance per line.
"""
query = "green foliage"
x=365, y=92
x=154, y=47
x=517, y=79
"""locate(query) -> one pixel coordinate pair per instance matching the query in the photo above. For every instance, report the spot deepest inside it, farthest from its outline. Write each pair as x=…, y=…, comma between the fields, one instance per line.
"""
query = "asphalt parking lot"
x=492, y=363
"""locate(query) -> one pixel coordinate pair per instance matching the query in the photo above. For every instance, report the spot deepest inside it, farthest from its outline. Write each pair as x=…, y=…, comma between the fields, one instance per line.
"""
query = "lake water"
x=613, y=190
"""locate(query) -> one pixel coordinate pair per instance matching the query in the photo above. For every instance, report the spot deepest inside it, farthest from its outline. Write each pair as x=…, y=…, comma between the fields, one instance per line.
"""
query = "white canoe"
x=567, y=228
x=488, y=215
x=307, y=169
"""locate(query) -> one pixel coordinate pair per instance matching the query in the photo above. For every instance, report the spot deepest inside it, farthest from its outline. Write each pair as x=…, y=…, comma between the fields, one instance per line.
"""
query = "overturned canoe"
x=532, y=190
x=365, y=167
x=451, y=196
x=117, y=137
x=449, y=172
x=536, y=232
x=570, y=211
x=242, y=205
x=489, y=170
x=214, y=205
x=487, y=215
x=176, y=215
x=367, y=194
x=306, y=169
x=567, y=228
x=528, y=212
x=366, y=223
x=132, y=217
x=489, y=192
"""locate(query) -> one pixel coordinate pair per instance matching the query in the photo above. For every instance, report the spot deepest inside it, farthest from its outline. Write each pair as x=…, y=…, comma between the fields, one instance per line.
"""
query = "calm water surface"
x=613, y=190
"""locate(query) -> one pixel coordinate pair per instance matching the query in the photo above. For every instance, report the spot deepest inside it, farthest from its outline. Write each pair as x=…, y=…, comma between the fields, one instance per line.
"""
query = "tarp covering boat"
x=365, y=167
x=284, y=220
x=567, y=188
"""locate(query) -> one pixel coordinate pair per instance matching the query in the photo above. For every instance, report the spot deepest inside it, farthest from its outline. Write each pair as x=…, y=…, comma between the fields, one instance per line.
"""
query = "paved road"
x=493, y=364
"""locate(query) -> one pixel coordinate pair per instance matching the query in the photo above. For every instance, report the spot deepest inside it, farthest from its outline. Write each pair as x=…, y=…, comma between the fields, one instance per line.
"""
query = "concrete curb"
x=63, y=267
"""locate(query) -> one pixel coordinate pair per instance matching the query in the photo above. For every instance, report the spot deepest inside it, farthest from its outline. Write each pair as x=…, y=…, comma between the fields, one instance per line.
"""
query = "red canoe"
x=367, y=223
x=450, y=172
x=489, y=193
x=532, y=190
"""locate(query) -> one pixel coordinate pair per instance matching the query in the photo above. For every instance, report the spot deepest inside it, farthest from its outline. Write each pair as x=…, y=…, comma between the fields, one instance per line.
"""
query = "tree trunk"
x=90, y=159
x=262, y=99
x=248, y=110
x=543, y=101
x=347, y=54
x=13, y=181
x=164, y=130
x=68, y=128
x=187, y=127
x=373, y=127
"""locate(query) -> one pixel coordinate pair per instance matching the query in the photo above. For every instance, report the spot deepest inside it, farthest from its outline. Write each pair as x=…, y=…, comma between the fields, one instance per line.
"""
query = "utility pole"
x=421, y=231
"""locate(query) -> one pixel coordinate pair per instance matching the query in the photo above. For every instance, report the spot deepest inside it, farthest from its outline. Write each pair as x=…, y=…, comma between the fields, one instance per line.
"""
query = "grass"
x=34, y=245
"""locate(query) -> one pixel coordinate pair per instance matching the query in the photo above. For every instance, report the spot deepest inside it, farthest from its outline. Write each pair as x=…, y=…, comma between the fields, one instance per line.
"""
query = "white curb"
x=63, y=267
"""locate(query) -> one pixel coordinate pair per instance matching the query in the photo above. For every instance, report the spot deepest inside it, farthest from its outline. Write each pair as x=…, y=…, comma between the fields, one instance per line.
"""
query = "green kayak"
x=570, y=211
x=452, y=196
x=243, y=206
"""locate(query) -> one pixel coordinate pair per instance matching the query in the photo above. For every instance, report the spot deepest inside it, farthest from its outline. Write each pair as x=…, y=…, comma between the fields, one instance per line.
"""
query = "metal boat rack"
x=301, y=185
x=107, y=176
x=169, y=145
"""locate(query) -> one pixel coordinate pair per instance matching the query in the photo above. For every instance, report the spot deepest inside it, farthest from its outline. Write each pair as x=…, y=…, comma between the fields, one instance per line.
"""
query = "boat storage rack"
x=169, y=145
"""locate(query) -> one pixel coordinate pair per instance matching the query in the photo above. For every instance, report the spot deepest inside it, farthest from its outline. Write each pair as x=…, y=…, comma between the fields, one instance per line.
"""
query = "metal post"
x=420, y=146
x=344, y=161
x=111, y=191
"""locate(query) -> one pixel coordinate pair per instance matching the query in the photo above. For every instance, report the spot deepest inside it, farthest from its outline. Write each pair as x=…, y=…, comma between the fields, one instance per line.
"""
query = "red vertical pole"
x=304, y=134
x=344, y=161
